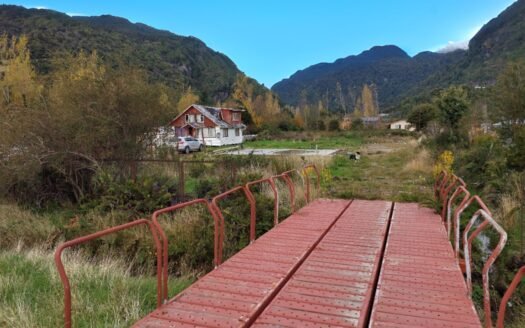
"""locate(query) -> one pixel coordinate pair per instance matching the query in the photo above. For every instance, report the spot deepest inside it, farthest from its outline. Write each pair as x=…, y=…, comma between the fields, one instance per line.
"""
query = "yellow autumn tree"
x=358, y=108
x=244, y=94
x=19, y=86
x=368, y=102
x=187, y=98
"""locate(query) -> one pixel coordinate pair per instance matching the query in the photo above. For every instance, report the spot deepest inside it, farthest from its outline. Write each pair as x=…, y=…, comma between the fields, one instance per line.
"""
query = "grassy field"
x=346, y=140
x=399, y=173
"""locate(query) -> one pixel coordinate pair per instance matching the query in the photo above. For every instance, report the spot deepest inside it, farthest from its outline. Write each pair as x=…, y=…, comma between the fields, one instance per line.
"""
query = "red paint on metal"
x=457, y=192
x=218, y=212
x=467, y=249
x=275, y=196
x=81, y=240
x=291, y=188
x=438, y=182
x=445, y=191
x=420, y=283
x=457, y=218
x=216, y=247
x=306, y=169
x=335, y=284
x=290, y=173
x=503, y=305
x=235, y=292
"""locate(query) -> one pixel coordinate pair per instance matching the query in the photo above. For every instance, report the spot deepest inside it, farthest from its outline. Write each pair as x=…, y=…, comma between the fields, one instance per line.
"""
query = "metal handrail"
x=218, y=211
x=275, y=195
x=457, y=219
x=510, y=290
x=318, y=185
x=457, y=192
x=290, y=185
x=442, y=176
x=216, y=246
x=300, y=175
x=467, y=247
x=80, y=240
x=445, y=191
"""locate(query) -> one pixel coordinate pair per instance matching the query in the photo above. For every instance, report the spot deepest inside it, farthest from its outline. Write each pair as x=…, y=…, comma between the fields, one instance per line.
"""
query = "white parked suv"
x=187, y=144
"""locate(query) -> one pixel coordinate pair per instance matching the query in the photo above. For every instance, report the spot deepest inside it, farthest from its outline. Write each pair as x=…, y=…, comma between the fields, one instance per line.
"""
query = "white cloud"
x=75, y=14
x=39, y=7
x=457, y=45
x=453, y=45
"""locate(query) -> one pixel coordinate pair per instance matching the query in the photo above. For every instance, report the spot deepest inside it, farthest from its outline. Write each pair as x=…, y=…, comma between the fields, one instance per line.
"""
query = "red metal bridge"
x=332, y=263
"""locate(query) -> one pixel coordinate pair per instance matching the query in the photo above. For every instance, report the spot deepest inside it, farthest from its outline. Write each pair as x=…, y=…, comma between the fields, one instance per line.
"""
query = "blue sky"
x=270, y=40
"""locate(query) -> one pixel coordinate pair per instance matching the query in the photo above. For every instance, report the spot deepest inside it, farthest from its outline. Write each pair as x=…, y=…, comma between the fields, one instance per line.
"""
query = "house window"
x=201, y=118
x=211, y=132
x=236, y=116
x=190, y=118
x=225, y=133
x=237, y=132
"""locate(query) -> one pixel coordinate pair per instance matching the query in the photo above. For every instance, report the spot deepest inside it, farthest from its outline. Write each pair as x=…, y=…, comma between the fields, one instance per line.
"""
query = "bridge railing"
x=443, y=184
x=275, y=196
x=216, y=246
x=487, y=220
x=161, y=244
x=306, y=169
x=466, y=195
x=510, y=290
x=81, y=240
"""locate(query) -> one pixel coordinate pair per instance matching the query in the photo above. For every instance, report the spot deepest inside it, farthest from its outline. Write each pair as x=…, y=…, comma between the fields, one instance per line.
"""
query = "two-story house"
x=211, y=125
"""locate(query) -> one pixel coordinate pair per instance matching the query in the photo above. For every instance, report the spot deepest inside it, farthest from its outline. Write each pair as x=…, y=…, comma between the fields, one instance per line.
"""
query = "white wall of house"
x=219, y=137
x=401, y=125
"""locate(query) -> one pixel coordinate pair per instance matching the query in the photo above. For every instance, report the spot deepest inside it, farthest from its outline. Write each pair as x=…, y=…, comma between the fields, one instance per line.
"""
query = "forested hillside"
x=397, y=76
x=177, y=61
x=388, y=68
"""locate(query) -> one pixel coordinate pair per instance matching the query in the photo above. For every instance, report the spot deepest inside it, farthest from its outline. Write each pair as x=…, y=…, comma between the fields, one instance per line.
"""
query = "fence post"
x=181, y=180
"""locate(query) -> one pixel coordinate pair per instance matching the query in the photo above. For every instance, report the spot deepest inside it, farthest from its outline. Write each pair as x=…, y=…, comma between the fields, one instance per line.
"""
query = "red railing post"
x=503, y=304
x=275, y=195
x=467, y=248
x=459, y=190
x=457, y=219
x=298, y=173
x=445, y=191
x=80, y=240
x=164, y=238
x=217, y=209
x=439, y=181
x=305, y=172
x=291, y=188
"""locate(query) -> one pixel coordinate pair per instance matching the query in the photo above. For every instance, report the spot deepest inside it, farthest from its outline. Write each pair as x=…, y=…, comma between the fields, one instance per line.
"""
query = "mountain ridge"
x=498, y=41
x=178, y=61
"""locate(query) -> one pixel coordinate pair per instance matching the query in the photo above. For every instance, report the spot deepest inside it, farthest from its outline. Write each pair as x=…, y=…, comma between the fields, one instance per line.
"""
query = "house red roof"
x=214, y=115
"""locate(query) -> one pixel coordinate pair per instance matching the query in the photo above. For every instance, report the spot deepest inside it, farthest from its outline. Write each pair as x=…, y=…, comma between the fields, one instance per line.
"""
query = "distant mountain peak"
x=383, y=52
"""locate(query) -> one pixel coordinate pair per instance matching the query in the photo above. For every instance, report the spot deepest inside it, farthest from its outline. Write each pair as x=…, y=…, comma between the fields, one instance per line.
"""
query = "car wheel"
x=201, y=147
x=187, y=150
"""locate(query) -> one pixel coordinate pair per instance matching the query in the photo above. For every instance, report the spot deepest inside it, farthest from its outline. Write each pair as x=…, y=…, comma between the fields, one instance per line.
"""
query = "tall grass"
x=104, y=293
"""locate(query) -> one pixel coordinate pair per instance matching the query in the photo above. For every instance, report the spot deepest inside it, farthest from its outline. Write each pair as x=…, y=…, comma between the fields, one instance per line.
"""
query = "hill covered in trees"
x=396, y=76
x=177, y=61
x=388, y=68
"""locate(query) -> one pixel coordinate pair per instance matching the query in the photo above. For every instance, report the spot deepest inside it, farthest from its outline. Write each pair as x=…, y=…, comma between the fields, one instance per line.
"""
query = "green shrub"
x=138, y=197
x=333, y=125
x=483, y=164
x=516, y=156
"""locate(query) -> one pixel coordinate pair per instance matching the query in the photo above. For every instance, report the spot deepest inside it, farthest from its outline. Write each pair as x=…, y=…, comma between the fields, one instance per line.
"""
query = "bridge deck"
x=320, y=267
x=420, y=284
